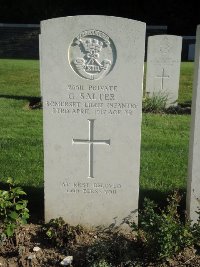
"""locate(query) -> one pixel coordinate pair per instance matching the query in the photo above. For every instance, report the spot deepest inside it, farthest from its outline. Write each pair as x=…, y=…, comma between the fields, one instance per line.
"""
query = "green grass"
x=19, y=78
x=186, y=80
x=21, y=152
x=164, y=152
x=165, y=138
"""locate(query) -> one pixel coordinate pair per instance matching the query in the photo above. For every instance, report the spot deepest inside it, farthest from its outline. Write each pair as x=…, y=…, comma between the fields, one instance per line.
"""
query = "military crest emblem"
x=92, y=54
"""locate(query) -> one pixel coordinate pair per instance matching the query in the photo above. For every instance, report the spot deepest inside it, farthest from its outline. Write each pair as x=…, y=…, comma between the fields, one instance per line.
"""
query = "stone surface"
x=67, y=261
x=92, y=101
x=191, y=52
x=163, y=66
x=36, y=249
x=193, y=190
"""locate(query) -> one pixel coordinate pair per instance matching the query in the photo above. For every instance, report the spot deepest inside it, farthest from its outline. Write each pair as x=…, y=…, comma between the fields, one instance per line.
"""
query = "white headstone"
x=193, y=190
x=191, y=52
x=92, y=100
x=163, y=66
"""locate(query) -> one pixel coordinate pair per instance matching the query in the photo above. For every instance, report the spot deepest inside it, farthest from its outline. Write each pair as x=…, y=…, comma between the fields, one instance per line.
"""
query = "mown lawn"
x=164, y=152
x=165, y=138
x=21, y=152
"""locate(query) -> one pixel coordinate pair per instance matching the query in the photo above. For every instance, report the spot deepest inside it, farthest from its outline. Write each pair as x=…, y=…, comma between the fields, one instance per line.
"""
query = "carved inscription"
x=92, y=54
x=165, y=55
x=91, y=100
x=165, y=46
x=90, y=188
x=162, y=77
x=90, y=141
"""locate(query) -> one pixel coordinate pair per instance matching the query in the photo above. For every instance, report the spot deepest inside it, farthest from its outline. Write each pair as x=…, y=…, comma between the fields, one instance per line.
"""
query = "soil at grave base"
x=31, y=235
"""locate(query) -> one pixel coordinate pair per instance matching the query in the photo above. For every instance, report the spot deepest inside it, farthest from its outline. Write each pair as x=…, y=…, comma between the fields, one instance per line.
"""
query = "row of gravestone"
x=91, y=80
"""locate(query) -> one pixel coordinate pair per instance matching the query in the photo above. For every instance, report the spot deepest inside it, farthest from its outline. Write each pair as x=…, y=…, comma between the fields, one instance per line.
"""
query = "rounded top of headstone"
x=93, y=18
x=165, y=36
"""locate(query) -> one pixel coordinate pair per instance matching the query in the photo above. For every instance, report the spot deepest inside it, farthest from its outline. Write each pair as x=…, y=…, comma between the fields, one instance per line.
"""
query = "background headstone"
x=92, y=101
x=163, y=66
x=193, y=190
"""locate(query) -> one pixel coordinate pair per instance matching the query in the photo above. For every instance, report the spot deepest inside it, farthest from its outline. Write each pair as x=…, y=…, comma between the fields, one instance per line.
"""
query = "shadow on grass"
x=31, y=99
x=160, y=198
x=187, y=103
x=35, y=197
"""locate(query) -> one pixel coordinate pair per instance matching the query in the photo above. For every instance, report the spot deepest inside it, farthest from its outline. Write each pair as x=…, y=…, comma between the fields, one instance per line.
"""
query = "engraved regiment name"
x=92, y=54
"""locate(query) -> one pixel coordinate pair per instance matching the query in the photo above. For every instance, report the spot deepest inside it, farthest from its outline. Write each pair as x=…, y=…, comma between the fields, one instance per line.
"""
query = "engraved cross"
x=90, y=141
x=162, y=77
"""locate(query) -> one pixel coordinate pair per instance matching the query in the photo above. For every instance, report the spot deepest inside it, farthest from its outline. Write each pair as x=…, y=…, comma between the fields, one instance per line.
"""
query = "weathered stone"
x=67, y=261
x=163, y=67
x=193, y=190
x=92, y=72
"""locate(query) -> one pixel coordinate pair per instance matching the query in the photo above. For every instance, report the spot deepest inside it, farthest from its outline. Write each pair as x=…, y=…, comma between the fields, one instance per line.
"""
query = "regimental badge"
x=92, y=54
x=165, y=45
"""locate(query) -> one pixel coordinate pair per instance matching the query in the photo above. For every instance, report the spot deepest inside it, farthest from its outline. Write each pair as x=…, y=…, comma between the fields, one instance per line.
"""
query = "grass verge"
x=164, y=149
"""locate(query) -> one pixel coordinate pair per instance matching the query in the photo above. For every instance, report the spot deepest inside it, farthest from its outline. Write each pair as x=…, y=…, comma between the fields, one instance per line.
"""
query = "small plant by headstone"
x=13, y=210
x=115, y=250
x=161, y=231
x=196, y=229
x=61, y=234
x=101, y=263
x=157, y=103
